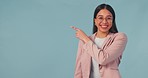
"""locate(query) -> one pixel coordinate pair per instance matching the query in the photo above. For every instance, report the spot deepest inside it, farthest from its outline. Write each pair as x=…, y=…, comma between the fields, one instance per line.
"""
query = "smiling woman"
x=99, y=55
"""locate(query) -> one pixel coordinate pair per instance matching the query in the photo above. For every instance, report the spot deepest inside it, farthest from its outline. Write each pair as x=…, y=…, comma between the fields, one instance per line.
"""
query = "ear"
x=95, y=21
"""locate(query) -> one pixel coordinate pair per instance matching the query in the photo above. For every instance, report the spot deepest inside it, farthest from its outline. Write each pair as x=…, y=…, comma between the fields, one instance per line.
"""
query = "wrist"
x=86, y=40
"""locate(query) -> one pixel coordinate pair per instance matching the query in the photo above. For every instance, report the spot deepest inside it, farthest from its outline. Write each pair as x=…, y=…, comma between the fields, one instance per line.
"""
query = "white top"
x=94, y=65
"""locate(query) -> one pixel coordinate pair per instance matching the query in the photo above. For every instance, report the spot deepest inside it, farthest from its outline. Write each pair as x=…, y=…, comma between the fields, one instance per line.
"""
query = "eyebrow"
x=102, y=15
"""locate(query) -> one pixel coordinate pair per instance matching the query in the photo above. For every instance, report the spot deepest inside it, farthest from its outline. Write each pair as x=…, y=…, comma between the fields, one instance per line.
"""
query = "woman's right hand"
x=81, y=35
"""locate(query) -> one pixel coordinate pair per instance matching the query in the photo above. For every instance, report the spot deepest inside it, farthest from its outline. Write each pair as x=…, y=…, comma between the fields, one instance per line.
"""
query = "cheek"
x=110, y=24
x=97, y=23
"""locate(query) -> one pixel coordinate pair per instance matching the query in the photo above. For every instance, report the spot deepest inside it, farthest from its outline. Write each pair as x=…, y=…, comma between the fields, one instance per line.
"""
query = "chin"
x=104, y=31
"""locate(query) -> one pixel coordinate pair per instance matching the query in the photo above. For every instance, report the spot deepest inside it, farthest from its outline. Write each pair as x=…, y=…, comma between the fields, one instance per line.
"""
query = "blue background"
x=36, y=40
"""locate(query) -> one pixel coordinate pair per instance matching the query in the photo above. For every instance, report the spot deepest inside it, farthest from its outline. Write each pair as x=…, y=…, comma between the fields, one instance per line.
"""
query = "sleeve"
x=104, y=56
x=78, y=71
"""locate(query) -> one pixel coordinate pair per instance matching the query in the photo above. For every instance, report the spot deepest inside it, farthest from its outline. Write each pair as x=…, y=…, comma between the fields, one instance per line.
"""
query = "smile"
x=104, y=26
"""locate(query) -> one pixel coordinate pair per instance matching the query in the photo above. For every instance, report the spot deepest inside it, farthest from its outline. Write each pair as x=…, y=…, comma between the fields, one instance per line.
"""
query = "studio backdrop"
x=36, y=40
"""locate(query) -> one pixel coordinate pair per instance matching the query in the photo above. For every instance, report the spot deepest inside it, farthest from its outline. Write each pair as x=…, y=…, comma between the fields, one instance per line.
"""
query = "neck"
x=101, y=34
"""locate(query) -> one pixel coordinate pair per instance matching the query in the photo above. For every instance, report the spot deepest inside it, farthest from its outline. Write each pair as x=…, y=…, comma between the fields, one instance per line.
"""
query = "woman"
x=99, y=55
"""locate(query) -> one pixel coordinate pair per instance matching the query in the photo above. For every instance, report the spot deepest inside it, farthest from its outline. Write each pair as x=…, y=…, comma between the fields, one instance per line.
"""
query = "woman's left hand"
x=81, y=35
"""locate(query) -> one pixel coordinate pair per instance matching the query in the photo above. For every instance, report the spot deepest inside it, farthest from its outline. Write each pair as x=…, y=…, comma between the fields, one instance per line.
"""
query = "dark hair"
x=113, y=29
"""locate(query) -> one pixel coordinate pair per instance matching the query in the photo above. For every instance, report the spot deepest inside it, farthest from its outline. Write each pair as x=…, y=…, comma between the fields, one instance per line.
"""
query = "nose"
x=104, y=21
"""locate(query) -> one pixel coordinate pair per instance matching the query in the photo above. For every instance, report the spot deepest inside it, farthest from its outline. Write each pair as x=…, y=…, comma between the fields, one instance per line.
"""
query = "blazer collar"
x=106, y=40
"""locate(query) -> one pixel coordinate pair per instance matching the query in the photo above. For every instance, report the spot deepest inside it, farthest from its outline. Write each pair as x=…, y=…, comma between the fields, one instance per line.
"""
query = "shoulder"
x=120, y=35
x=92, y=36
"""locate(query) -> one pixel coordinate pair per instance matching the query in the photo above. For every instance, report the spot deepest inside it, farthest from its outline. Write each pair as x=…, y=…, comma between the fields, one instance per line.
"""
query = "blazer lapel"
x=106, y=40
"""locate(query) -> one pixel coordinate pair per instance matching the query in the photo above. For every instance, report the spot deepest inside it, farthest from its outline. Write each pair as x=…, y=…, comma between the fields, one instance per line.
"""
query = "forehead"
x=104, y=12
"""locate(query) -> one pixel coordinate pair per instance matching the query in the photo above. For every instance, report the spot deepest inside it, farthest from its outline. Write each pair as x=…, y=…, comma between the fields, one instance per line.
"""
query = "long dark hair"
x=113, y=29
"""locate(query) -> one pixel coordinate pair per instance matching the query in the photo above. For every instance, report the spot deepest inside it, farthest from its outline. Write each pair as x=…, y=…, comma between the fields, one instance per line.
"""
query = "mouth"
x=104, y=26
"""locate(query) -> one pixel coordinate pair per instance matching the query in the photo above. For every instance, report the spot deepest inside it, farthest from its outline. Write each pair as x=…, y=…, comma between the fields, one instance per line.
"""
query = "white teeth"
x=104, y=26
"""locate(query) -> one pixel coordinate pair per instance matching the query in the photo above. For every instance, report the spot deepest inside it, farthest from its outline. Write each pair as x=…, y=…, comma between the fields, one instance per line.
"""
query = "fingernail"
x=71, y=26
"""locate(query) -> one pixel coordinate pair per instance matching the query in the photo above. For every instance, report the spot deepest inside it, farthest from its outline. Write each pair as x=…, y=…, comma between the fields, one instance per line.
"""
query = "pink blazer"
x=108, y=56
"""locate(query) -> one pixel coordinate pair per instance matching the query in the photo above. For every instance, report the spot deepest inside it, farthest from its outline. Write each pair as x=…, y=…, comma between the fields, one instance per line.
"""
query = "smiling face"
x=103, y=20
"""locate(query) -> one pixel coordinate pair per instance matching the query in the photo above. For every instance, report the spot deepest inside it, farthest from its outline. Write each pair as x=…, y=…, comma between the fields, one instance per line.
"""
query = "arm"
x=78, y=72
x=104, y=56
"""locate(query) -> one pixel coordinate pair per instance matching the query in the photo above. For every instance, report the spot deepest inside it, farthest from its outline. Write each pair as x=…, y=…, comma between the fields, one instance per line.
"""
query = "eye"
x=100, y=18
x=109, y=18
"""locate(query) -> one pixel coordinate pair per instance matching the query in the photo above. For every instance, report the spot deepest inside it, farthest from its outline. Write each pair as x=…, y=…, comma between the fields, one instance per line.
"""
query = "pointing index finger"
x=74, y=28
